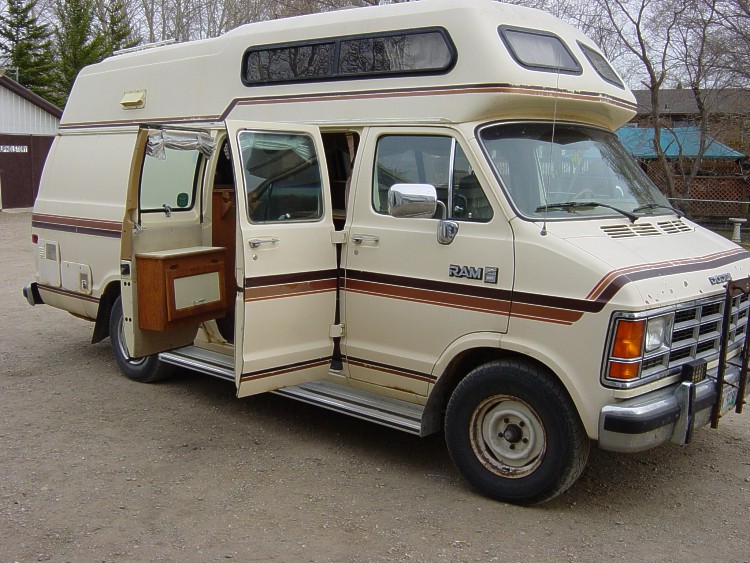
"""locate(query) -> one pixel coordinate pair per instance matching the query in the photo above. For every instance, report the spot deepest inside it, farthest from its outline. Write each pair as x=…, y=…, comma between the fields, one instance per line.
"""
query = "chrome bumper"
x=669, y=414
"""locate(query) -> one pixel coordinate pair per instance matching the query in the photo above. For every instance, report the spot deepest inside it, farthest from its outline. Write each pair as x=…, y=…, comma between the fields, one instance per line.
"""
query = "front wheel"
x=145, y=370
x=514, y=434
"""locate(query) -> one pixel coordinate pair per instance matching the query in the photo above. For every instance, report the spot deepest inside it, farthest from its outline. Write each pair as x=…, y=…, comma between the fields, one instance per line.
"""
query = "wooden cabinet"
x=180, y=287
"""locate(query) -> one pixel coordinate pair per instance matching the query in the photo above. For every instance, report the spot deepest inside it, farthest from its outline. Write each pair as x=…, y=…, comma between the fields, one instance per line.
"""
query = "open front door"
x=285, y=252
x=170, y=282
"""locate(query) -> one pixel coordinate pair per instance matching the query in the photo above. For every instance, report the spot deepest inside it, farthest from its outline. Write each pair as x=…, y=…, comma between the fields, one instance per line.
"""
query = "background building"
x=28, y=125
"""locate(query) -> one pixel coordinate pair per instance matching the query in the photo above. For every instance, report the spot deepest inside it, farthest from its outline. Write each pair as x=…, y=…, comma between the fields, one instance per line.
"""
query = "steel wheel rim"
x=507, y=436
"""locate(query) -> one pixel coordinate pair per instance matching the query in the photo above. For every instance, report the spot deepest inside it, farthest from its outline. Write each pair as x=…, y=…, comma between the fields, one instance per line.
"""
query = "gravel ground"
x=94, y=467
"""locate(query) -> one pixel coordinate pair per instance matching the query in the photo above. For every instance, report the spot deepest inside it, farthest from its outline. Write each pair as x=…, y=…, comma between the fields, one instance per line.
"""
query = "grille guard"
x=735, y=288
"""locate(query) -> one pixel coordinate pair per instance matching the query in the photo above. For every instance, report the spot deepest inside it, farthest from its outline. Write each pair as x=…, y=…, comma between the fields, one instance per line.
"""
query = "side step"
x=367, y=406
x=393, y=413
x=204, y=361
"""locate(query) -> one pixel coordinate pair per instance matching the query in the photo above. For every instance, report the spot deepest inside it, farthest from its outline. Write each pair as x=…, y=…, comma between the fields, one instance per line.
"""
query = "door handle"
x=256, y=242
x=359, y=239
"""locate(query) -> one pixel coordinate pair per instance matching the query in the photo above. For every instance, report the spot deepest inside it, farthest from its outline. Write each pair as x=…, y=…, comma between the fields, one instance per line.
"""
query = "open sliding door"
x=170, y=281
x=284, y=320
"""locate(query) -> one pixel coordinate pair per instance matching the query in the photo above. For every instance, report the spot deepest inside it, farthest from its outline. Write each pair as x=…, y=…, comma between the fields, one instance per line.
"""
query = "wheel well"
x=107, y=299
x=459, y=368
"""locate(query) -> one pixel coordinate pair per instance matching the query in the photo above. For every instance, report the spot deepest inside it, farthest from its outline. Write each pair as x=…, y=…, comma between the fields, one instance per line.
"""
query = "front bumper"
x=669, y=414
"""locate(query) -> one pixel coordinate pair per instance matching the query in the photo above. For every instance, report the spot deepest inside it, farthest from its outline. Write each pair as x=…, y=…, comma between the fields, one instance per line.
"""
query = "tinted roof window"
x=539, y=50
x=406, y=52
x=290, y=63
x=395, y=53
x=601, y=66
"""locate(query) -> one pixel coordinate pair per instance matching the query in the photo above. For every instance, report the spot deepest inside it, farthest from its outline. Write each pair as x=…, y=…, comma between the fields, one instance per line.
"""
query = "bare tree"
x=698, y=63
x=734, y=43
x=646, y=30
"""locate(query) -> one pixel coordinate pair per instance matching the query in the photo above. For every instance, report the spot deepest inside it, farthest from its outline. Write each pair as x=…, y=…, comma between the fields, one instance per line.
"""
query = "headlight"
x=657, y=332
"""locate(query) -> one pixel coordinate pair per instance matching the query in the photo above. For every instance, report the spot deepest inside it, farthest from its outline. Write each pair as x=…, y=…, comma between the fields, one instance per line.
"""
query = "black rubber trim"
x=623, y=424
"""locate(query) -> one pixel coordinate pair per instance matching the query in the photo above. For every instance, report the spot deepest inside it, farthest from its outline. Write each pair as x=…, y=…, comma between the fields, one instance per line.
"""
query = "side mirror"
x=420, y=200
x=412, y=200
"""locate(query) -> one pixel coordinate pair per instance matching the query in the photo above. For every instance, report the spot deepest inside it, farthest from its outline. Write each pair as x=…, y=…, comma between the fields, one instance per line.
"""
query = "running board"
x=393, y=413
x=204, y=361
x=360, y=404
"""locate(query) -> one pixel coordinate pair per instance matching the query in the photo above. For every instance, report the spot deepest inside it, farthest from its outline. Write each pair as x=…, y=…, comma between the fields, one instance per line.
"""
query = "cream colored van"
x=416, y=214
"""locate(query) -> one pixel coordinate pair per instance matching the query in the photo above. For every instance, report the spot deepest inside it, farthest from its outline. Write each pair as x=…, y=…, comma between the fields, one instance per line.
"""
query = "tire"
x=144, y=370
x=514, y=434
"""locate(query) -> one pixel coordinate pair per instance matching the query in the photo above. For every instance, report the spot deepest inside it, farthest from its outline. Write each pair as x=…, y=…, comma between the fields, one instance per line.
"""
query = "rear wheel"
x=145, y=370
x=514, y=434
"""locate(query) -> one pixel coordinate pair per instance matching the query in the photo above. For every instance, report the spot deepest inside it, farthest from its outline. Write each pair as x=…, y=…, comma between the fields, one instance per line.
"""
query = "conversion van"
x=416, y=214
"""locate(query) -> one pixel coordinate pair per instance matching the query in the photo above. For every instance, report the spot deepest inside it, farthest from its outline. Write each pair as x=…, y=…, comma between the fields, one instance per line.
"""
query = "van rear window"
x=539, y=50
x=405, y=52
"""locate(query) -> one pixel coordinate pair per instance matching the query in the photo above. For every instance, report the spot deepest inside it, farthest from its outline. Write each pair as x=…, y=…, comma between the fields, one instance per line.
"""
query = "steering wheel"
x=585, y=193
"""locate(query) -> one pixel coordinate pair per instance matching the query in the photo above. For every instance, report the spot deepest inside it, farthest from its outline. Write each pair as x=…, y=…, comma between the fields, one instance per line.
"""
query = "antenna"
x=543, y=232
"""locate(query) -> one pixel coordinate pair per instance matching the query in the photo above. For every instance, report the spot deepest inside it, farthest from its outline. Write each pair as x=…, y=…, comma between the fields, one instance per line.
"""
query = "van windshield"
x=564, y=171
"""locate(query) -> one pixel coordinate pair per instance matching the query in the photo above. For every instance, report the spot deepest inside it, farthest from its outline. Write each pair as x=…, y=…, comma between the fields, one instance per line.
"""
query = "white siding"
x=20, y=117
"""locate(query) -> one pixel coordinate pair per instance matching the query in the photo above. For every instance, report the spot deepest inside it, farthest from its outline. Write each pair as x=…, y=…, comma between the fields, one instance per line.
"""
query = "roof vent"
x=133, y=99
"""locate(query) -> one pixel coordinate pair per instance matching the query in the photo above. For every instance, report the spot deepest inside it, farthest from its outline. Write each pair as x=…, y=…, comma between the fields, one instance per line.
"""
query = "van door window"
x=436, y=160
x=170, y=183
x=282, y=177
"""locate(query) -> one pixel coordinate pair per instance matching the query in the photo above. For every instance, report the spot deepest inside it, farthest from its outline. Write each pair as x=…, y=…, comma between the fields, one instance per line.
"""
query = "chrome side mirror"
x=412, y=200
x=420, y=200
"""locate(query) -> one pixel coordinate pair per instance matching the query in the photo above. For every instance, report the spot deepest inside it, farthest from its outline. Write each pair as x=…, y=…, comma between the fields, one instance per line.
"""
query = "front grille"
x=696, y=334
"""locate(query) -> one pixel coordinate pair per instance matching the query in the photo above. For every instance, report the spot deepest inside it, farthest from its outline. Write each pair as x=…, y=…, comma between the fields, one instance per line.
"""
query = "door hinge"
x=336, y=331
x=338, y=237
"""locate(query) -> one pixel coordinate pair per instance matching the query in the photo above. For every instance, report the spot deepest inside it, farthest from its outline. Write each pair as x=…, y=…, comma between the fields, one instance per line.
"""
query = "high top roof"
x=201, y=81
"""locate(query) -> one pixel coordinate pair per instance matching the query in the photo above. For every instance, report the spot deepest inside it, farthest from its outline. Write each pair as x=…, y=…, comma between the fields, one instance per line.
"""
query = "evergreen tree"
x=118, y=33
x=25, y=46
x=77, y=40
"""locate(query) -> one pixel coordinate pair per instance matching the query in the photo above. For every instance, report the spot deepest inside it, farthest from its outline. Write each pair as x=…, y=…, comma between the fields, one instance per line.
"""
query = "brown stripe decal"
x=615, y=280
x=290, y=285
x=546, y=308
x=280, y=370
x=436, y=91
x=455, y=300
x=473, y=298
x=95, y=227
x=545, y=314
x=373, y=94
x=411, y=374
x=68, y=293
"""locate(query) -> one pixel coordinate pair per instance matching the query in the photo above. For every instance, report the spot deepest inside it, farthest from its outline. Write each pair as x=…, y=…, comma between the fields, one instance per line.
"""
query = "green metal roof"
x=675, y=142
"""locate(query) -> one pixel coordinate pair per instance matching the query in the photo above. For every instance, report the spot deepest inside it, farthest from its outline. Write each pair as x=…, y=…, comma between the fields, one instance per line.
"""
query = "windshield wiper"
x=570, y=205
x=679, y=214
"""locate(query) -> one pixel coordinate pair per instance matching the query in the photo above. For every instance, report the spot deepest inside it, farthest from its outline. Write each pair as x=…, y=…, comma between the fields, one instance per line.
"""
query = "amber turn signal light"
x=620, y=370
x=628, y=342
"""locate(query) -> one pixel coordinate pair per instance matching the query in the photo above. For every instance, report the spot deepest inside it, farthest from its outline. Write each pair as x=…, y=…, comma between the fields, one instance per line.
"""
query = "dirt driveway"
x=94, y=467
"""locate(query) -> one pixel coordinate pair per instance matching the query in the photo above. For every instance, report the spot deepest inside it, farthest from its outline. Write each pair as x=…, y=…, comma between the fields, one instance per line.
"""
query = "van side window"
x=170, y=181
x=411, y=51
x=426, y=159
x=281, y=176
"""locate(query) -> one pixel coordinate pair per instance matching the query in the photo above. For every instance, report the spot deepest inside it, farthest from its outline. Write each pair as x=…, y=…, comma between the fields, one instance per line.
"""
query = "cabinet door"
x=287, y=256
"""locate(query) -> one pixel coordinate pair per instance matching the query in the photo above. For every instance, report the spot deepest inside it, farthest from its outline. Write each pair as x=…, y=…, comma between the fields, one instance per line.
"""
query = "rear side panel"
x=78, y=218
